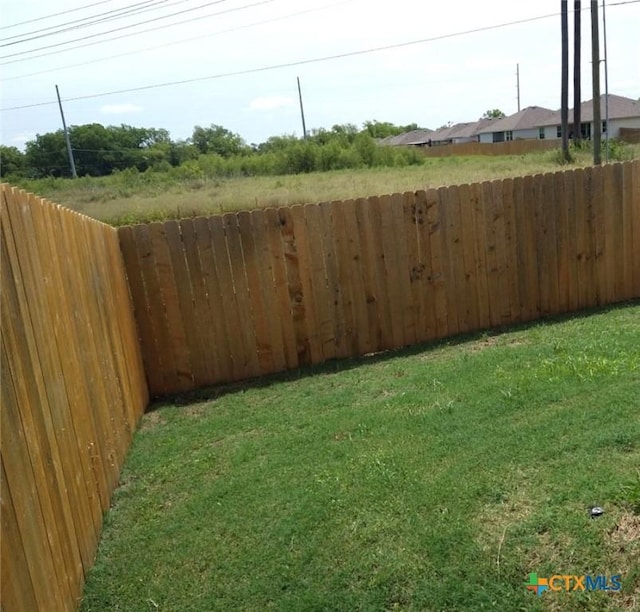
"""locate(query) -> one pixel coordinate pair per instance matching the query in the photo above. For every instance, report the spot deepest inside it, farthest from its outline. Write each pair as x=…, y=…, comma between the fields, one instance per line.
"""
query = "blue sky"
x=430, y=83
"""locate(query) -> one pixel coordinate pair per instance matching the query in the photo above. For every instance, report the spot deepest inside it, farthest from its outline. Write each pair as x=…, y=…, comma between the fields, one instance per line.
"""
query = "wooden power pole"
x=596, y=132
x=72, y=163
x=564, y=93
x=304, y=125
x=577, y=70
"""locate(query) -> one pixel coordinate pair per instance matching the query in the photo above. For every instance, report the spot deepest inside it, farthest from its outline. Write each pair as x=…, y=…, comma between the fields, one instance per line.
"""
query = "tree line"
x=102, y=150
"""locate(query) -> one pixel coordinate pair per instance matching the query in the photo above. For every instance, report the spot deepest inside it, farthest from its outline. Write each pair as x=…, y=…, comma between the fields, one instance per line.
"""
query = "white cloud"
x=265, y=103
x=120, y=109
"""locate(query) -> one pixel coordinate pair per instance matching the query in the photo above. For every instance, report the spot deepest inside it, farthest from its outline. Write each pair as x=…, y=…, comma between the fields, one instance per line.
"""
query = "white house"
x=623, y=113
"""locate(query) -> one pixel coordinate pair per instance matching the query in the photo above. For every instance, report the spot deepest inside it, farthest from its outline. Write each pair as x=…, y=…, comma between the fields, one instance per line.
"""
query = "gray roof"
x=414, y=137
x=619, y=108
x=526, y=119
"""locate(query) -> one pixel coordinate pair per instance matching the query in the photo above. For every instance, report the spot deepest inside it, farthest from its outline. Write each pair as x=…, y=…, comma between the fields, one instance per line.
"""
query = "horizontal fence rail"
x=73, y=389
x=245, y=294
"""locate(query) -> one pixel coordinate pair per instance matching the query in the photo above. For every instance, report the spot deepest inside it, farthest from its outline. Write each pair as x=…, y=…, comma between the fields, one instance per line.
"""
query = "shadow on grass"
x=213, y=392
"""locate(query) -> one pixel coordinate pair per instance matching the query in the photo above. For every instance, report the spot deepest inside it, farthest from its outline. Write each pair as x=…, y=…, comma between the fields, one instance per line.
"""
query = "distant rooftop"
x=619, y=108
x=526, y=119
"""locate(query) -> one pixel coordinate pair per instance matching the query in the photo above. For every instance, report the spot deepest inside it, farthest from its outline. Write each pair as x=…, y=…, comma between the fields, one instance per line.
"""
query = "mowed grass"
x=128, y=198
x=434, y=478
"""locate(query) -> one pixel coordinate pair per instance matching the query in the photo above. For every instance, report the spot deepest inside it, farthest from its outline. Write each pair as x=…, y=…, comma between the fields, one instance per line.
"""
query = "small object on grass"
x=596, y=511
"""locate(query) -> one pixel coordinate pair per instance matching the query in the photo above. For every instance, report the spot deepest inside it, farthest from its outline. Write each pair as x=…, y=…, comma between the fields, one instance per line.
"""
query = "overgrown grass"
x=131, y=197
x=430, y=479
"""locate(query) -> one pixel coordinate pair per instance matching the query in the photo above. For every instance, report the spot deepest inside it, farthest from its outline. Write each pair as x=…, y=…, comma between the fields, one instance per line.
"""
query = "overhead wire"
x=160, y=27
x=294, y=63
x=301, y=62
x=90, y=21
x=185, y=40
x=73, y=10
x=126, y=27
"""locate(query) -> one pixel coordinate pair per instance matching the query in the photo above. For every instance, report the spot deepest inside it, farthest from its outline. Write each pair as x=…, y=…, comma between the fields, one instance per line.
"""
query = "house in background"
x=623, y=113
x=419, y=138
x=525, y=124
x=531, y=123
x=460, y=133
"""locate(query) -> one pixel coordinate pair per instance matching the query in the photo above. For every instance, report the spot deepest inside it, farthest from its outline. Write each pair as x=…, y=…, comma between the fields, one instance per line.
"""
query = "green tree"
x=494, y=113
x=384, y=129
x=277, y=143
x=99, y=150
x=12, y=161
x=46, y=155
x=217, y=139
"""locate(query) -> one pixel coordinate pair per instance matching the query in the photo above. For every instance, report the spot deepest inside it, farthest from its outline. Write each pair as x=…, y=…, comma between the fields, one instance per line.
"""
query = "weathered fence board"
x=256, y=292
x=73, y=388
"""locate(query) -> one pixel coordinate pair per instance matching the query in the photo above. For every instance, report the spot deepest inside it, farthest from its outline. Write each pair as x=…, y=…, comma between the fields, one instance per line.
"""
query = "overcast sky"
x=455, y=78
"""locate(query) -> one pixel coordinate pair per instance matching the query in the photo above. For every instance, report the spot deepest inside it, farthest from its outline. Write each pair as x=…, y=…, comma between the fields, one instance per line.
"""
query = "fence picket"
x=215, y=319
x=259, y=316
x=438, y=286
x=304, y=274
x=599, y=235
x=224, y=274
x=264, y=268
x=458, y=302
x=325, y=309
x=570, y=254
x=185, y=258
x=369, y=215
x=562, y=242
x=362, y=340
x=18, y=592
x=614, y=254
x=393, y=271
x=281, y=285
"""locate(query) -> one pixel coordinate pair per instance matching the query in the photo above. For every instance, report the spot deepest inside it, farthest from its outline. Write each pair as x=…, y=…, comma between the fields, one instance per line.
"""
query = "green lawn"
x=435, y=478
x=130, y=197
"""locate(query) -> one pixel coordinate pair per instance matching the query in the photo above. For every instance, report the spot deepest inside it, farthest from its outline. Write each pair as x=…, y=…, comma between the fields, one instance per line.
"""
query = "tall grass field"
x=130, y=197
x=436, y=478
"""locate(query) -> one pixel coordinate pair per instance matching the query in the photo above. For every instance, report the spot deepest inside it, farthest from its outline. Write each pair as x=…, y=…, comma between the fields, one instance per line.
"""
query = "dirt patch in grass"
x=491, y=341
x=495, y=520
x=626, y=533
x=623, y=541
x=151, y=420
x=195, y=410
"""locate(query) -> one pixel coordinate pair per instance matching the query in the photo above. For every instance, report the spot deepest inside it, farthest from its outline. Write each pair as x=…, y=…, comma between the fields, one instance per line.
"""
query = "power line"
x=184, y=40
x=168, y=25
x=127, y=11
x=73, y=10
x=132, y=25
x=295, y=63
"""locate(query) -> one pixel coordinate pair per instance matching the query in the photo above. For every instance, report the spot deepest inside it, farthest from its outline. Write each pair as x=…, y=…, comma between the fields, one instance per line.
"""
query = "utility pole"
x=577, y=70
x=74, y=174
x=606, y=83
x=518, y=83
x=564, y=92
x=304, y=126
x=595, y=68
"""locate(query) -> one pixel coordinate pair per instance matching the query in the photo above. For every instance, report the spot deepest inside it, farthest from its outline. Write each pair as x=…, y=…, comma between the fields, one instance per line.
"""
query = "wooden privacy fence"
x=249, y=293
x=512, y=147
x=630, y=135
x=73, y=389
